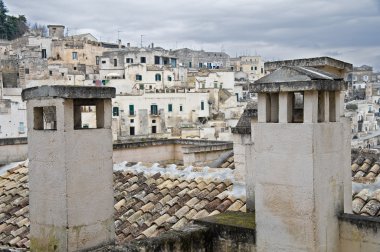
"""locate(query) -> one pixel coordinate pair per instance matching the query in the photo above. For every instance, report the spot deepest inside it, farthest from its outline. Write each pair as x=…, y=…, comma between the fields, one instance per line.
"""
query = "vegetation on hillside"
x=11, y=27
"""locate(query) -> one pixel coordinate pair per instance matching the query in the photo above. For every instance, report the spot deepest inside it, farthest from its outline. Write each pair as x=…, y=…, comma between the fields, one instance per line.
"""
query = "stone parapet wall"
x=359, y=233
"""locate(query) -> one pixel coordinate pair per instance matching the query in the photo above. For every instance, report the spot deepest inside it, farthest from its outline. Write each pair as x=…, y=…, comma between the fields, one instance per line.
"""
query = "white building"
x=151, y=114
x=12, y=114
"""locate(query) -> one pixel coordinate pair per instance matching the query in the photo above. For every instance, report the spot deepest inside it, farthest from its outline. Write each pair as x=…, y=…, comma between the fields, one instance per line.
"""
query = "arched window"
x=158, y=77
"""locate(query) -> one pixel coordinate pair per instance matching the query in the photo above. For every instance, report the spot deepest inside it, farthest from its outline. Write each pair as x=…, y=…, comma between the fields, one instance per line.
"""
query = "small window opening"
x=154, y=129
x=115, y=111
x=115, y=62
x=88, y=114
x=142, y=60
x=43, y=54
x=75, y=55
x=45, y=118
x=298, y=107
x=132, y=131
x=26, y=70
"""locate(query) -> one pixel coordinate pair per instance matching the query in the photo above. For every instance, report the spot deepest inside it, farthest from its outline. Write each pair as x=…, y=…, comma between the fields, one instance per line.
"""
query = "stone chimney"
x=56, y=31
x=300, y=160
x=70, y=170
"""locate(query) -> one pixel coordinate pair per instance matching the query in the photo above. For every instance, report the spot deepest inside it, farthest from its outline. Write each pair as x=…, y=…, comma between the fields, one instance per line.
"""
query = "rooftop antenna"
x=141, y=40
x=118, y=35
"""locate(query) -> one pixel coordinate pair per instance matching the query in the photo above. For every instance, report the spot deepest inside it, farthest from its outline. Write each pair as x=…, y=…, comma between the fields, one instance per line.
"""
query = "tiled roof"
x=367, y=202
x=365, y=169
x=146, y=203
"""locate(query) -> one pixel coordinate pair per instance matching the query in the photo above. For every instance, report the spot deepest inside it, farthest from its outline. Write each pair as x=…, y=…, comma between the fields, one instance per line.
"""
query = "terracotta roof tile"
x=181, y=223
x=146, y=204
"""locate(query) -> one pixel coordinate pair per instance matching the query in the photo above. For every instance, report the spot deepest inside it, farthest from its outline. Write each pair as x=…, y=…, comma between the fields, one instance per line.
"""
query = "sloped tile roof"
x=365, y=169
x=146, y=203
x=367, y=202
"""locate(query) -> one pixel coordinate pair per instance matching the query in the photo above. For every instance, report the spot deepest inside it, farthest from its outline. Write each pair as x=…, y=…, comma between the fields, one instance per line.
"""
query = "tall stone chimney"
x=300, y=160
x=70, y=169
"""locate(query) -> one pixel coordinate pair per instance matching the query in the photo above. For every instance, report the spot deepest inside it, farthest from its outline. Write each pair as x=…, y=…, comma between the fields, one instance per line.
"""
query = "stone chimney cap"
x=68, y=92
x=295, y=79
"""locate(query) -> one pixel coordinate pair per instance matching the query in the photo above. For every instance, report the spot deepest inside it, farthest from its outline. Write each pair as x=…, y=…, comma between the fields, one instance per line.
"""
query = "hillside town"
x=123, y=146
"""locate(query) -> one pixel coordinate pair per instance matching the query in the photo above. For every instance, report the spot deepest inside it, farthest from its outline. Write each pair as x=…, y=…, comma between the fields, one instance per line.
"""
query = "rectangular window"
x=132, y=131
x=156, y=60
x=63, y=74
x=138, y=77
x=50, y=73
x=85, y=116
x=173, y=62
x=153, y=109
x=115, y=62
x=104, y=62
x=215, y=84
x=255, y=68
x=115, y=111
x=131, y=109
x=170, y=107
x=154, y=129
x=251, y=67
x=129, y=60
x=142, y=60
x=44, y=118
x=43, y=54
x=21, y=128
x=75, y=55
x=190, y=64
x=180, y=108
x=169, y=78
x=132, y=120
x=262, y=70
x=97, y=59
x=202, y=105
x=26, y=70
x=200, y=65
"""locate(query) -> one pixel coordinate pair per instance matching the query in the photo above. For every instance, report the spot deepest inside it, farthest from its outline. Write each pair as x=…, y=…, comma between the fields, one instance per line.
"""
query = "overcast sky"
x=348, y=30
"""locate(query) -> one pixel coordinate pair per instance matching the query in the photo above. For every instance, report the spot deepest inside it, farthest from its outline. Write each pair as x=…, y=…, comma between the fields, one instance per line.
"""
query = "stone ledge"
x=68, y=92
x=155, y=142
x=13, y=141
x=298, y=86
x=190, y=238
x=237, y=226
x=313, y=62
x=361, y=222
